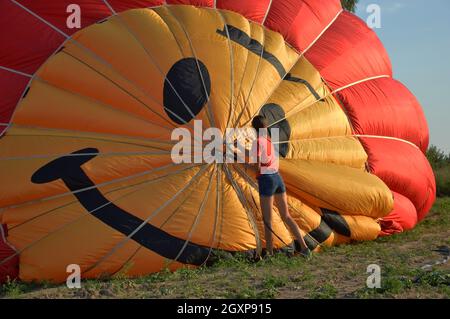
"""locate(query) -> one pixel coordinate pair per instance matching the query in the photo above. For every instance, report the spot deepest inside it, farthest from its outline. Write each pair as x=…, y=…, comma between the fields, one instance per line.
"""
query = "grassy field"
x=337, y=272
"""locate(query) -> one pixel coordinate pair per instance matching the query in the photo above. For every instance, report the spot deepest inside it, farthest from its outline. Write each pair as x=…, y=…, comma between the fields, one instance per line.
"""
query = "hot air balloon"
x=86, y=116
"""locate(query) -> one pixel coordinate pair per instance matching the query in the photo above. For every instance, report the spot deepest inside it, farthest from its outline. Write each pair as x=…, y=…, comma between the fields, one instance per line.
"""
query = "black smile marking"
x=68, y=168
x=336, y=222
x=330, y=221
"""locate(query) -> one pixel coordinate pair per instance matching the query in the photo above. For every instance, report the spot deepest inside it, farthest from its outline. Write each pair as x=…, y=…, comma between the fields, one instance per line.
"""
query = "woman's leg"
x=281, y=202
x=266, y=203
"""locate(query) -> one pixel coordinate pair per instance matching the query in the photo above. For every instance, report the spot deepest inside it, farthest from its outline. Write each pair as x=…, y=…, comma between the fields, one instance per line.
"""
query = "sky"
x=416, y=34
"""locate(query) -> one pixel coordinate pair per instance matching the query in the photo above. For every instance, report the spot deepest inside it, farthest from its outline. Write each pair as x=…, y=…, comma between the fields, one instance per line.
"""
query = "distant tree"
x=441, y=167
x=349, y=5
x=437, y=157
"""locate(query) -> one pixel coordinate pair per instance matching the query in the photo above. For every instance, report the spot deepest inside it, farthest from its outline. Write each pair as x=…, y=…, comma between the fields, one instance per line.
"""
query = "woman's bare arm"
x=247, y=157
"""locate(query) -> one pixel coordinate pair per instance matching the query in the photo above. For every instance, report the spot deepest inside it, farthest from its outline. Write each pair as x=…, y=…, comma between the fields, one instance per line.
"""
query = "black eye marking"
x=254, y=46
x=274, y=113
x=188, y=86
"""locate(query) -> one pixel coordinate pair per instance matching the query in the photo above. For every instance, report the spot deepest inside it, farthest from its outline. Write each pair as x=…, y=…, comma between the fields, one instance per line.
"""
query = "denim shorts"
x=270, y=184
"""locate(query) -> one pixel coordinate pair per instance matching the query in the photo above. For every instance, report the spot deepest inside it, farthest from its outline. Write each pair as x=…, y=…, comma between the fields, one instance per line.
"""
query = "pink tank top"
x=264, y=150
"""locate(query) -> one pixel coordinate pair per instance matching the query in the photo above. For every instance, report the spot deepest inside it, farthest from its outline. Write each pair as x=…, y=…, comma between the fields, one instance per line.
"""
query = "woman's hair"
x=258, y=122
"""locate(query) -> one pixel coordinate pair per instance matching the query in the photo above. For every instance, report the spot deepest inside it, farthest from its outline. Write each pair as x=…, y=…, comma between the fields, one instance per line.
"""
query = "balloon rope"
x=106, y=193
x=128, y=261
x=162, y=151
x=269, y=6
x=114, y=180
x=102, y=104
x=298, y=108
x=15, y=71
x=104, y=154
x=3, y=238
x=154, y=63
x=239, y=91
x=209, y=110
x=197, y=218
x=216, y=215
x=230, y=52
x=258, y=68
x=168, y=26
x=134, y=97
x=152, y=60
x=41, y=19
x=181, y=205
x=293, y=65
x=101, y=60
x=245, y=204
x=344, y=136
x=274, y=89
x=322, y=32
x=109, y=7
x=88, y=135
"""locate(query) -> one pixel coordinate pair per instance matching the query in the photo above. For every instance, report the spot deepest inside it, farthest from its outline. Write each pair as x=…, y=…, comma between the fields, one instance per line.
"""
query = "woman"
x=271, y=186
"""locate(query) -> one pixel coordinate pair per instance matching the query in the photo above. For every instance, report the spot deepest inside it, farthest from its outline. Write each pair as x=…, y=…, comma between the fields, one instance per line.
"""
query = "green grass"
x=336, y=272
x=326, y=291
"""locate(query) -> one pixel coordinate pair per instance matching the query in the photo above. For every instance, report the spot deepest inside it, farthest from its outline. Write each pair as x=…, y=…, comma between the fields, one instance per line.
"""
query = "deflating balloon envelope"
x=87, y=117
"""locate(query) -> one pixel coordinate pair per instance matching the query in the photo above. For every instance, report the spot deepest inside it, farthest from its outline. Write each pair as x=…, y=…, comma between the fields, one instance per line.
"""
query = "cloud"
x=394, y=6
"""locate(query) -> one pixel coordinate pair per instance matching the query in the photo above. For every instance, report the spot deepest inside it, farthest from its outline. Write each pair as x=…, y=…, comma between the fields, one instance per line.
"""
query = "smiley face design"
x=86, y=162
